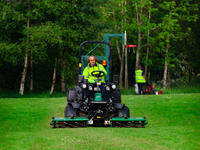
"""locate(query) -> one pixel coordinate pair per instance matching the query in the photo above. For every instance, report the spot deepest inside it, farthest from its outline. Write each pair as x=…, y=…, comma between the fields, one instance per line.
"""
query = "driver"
x=94, y=66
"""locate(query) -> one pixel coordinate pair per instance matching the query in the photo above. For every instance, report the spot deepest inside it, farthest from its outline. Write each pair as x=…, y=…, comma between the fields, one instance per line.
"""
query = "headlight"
x=84, y=86
x=95, y=88
x=90, y=88
x=113, y=86
x=107, y=88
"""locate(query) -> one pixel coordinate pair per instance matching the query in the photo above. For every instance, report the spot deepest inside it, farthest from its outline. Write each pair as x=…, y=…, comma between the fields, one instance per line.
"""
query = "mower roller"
x=84, y=111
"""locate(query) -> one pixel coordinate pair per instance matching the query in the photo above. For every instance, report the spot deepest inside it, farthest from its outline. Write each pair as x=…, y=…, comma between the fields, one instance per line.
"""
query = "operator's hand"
x=104, y=72
x=91, y=81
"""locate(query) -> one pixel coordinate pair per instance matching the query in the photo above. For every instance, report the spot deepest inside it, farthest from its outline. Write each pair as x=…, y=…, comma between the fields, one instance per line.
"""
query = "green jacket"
x=89, y=69
x=139, y=77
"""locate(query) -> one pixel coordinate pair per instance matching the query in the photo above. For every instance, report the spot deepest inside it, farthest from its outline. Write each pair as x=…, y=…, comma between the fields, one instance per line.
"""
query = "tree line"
x=39, y=40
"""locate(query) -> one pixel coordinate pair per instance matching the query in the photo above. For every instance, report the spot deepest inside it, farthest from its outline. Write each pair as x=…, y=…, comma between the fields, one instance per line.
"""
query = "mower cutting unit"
x=83, y=110
x=69, y=122
x=84, y=122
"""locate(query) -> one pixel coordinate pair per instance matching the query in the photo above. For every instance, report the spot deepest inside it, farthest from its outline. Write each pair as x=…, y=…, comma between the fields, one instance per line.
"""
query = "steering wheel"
x=97, y=74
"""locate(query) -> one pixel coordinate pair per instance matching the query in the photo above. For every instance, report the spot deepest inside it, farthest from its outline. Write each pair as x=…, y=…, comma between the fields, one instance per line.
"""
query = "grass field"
x=173, y=123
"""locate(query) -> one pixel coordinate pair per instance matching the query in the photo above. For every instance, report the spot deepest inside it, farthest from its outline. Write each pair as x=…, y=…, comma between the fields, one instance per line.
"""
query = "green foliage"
x=10, y=52
x=58, y=27
x=45, y=39
x=56, y=30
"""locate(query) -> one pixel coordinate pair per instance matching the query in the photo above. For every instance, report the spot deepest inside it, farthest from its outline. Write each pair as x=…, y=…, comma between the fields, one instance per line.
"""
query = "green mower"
x=84, y=111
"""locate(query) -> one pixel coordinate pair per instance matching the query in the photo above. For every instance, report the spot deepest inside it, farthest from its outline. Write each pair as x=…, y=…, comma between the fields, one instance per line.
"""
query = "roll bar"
x=97, y=42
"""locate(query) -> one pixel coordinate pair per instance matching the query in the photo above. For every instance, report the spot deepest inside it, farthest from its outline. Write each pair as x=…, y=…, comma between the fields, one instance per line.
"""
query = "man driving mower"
x=89, y=74
x=103, y=106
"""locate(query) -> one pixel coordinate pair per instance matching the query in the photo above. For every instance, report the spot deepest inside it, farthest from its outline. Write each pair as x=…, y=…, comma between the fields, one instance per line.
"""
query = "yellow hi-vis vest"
x=88, y=70
x=138, y=77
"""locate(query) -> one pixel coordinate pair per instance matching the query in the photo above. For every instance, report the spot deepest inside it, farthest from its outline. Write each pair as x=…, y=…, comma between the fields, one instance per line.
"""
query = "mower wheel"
x=116, y=96
x=153, y=91
x=70, y=111
x=124, y=113
x=71, y=95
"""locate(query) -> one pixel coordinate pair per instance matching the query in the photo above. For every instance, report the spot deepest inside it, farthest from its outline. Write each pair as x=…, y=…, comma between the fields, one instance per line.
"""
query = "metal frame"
x=107, y=53
x=106, y=39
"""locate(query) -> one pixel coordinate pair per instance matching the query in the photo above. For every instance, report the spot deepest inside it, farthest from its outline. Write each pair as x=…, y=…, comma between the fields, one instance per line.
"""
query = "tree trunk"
x=146, y=62
x=149, y=77
x=126, y=64
x=147, y=54
x=165, y=70
x=54, y=77
x=121, y=59
x=63, y=77
x=31, y=71
x=190, y=74
x=169, y=80
x=137, y=63
x=21, y=90
x=126, y=55
x=120, y=54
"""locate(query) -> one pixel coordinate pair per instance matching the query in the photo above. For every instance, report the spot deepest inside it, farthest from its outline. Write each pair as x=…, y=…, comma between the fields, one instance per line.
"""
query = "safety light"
x=95, y=88
x=104, y=63
x=84, y=86
x=107, y=88
x=90, y=88
x=113, y=86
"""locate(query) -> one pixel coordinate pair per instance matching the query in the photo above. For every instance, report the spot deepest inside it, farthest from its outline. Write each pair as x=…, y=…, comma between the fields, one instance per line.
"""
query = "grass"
x=173, y=123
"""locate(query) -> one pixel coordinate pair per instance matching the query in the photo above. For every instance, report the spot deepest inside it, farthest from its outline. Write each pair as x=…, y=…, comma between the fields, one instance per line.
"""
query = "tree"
x=170, y=31
x=21, y=90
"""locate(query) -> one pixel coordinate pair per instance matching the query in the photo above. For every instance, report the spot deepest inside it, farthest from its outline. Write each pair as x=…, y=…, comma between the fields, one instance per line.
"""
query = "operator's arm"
x=101, y=67
x=85, y=73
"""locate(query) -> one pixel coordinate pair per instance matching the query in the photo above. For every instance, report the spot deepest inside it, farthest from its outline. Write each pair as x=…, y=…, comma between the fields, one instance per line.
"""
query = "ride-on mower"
x=84, y=111
x=148, y=89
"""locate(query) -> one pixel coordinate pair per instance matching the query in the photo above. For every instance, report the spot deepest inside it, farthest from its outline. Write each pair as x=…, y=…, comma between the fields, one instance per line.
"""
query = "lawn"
x=173, y=123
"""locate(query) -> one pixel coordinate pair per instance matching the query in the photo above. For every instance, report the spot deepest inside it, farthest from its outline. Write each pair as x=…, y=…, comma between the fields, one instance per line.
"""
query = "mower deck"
x=69, y=122
x=129, y=122
x=84, y=122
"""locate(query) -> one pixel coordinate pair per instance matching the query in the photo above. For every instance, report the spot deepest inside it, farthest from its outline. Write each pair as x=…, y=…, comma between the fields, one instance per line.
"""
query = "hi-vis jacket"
x=89, y=69
x=138, y=77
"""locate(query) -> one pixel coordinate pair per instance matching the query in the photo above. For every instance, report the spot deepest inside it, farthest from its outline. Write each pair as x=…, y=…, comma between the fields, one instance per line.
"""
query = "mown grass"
x=173, y=123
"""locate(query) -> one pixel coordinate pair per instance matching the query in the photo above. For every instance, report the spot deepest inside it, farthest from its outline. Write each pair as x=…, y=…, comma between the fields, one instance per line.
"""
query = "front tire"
x=71, y=95
x=70, y=111
x=116, y=96
x=124, y=113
